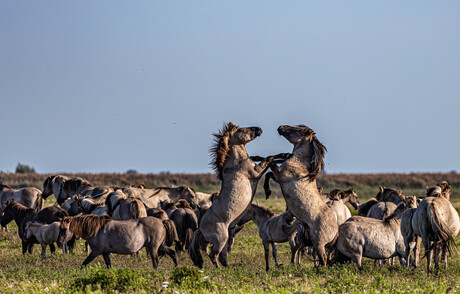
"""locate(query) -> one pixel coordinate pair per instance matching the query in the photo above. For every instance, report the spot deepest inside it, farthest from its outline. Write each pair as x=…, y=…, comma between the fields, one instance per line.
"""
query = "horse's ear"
x=320, y=190
x=381, y=189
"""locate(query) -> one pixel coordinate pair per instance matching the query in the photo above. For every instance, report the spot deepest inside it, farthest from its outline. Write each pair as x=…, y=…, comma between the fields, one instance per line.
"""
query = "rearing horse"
x=297, y=178
x=239, y=175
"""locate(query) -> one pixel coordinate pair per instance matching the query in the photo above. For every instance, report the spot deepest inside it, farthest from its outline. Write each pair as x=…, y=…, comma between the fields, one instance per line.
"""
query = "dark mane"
x=86, y=226
x=385, y=193
x=364, y=208
x=19, y=207
x=219, y=151
x=5, y=186
x=336, y=194
x=74, y=184
x=264, y=209
x=165, y=205
x=319, y=150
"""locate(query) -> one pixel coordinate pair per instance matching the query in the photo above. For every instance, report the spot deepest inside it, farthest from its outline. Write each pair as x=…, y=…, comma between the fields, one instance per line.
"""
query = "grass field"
x=62, y=274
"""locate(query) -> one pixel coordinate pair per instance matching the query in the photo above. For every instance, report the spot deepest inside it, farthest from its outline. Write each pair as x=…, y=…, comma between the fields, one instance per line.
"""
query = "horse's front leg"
x=90, y=258
x=264, y=164
x=275, y=253
x=107, y=259
x=267, y=255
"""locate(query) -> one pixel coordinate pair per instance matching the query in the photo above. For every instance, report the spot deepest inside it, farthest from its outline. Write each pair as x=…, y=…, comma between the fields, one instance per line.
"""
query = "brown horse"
x=106, y=236
x=185, y=220
x=239, y=175
x=297, y=178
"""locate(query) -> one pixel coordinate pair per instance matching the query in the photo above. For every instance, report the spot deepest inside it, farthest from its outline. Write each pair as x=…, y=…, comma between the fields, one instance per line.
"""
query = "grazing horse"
x=89, y=205
x=29, y=197
x=106, y=236
x=297, y=178
x=122, y=208
x=185, y=220
x=152, y=197
x=21, y=215
x=339, y=209
x=272, y=229
x=45, y=235
x=239, y=175
x=437, y=222
x=373, y=239
x=64, y=187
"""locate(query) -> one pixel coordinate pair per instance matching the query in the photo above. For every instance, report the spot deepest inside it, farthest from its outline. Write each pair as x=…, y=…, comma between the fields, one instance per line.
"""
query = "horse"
x=347, y=196
x=239, y=175
x=389, y=195
x=22, y=214
x=297, y=179
x=411, y=241
x=437, y=222
x=64, y=187
x=122, y=208
x=45, y=235
x=185, y=221
x=273, y=229
x=152, y=197
x=373, y=239
x=29, y=197
x=106, y=236
x=384, y=195
x=339, y=209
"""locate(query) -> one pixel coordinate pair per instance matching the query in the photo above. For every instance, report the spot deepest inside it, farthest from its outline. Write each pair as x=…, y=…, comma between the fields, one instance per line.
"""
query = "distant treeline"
x=209, y=182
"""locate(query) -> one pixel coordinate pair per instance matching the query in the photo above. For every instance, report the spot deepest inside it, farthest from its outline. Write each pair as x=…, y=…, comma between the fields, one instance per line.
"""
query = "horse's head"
x=189, y=195
x=352, y=198
x=230, y=135
x=72, y=206
x=64, y=232
x=304, y=140
x=4, y=186
x=9, y=211
x=411, y=202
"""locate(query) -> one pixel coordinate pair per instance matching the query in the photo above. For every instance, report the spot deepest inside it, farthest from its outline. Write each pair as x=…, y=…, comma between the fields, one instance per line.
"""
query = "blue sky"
x=107, y=86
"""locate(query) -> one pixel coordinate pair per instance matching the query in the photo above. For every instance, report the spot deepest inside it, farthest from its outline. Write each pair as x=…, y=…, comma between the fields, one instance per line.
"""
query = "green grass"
x=62, y=274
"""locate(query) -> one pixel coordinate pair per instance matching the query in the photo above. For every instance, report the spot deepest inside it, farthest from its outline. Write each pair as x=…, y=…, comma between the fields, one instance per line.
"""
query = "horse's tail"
x=137, y=209
x=267, y=190
x=40, y=202
x=190, y=226
x=440, y=228
x=334, y=255
x=194, y=248
x=171, y=232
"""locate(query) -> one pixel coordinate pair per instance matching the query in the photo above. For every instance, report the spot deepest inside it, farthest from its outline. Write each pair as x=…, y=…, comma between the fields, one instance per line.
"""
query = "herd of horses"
x=125, y=220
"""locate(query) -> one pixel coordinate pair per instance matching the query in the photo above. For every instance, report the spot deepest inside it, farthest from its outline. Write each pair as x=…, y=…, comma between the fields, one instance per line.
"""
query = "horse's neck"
x=19, y=217
x=260, y=219
x=237, y=153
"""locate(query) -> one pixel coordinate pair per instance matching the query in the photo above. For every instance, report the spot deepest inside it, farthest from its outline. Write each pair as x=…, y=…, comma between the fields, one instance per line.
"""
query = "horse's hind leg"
x=436, y=256
x=215, y=251
x=418, y=242
x=107, y=259
x=166, y=250
x=52, y=248
x=267, y=255
x=445, y=253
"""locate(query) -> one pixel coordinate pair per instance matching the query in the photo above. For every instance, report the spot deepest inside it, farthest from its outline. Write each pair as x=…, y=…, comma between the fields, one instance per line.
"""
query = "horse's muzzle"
x=257, y=131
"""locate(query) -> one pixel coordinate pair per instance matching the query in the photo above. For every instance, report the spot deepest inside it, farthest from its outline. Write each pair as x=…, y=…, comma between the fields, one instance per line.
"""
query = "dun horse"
x=297, y=178
x=64, y=187
x=239, y=175
x=373, y=239
x=272, y=229
x=335, y=203
x=106, y=236
x=29, y=197
x=45, y=235
x=437, y=222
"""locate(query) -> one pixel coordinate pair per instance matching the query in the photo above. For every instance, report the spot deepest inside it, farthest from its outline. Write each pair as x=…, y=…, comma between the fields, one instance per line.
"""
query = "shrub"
x=24, y=169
